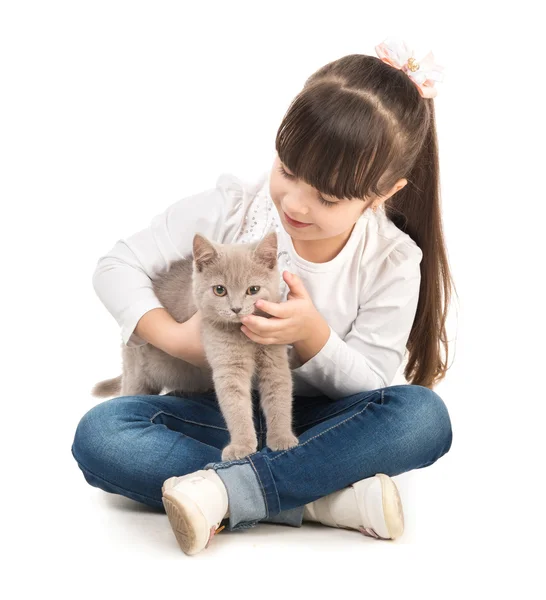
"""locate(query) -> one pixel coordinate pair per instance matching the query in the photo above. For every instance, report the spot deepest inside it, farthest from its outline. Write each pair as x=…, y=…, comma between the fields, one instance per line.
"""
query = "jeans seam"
x=162, y=412
x=322, y=432
x=329, y=416
x=111, y=482
x=261, y=485
x=224, y=464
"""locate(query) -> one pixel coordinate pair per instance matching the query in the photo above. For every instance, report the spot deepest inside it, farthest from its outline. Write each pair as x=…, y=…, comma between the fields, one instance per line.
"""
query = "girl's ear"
x=397, y=187
x=266, y=250
x=204, y=251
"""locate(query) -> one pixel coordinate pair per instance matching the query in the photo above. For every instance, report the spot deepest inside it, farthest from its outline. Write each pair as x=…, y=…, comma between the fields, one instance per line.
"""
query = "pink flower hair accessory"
x=423, y=73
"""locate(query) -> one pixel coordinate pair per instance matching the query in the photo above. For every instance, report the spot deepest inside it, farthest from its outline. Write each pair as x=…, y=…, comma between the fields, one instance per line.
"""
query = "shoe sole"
x=169, y=483
x=188, y=523
x=392, y=506
x=185, y=535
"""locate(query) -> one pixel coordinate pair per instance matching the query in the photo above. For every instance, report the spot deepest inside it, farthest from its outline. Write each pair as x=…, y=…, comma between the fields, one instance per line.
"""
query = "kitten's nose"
x=236, y=310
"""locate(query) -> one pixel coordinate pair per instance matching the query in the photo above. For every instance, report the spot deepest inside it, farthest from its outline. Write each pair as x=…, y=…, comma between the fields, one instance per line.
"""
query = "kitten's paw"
x=282, y=441
x=236, y=451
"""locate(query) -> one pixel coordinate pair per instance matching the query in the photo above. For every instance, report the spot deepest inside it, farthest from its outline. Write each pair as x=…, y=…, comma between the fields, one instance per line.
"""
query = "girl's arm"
x=181, y=340
x=373, y=350
x=123, y=277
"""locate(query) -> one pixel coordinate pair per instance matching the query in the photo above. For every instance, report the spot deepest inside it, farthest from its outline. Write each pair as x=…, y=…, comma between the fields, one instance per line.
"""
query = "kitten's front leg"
x=275, y=384
x=232, y=370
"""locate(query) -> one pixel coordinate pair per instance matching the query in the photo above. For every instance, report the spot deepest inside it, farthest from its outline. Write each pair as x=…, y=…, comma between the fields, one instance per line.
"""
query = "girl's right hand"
x=185, y=342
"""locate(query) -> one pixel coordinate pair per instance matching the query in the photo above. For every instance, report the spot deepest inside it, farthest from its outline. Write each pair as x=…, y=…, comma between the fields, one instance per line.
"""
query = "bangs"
x=335, y=140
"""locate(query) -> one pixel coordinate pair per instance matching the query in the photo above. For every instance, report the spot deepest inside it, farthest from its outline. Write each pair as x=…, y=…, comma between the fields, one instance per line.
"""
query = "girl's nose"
x=295, y=206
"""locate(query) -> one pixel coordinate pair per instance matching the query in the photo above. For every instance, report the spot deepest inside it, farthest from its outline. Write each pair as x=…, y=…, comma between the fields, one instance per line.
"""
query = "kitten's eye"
x=253, y=289
x=219, y=290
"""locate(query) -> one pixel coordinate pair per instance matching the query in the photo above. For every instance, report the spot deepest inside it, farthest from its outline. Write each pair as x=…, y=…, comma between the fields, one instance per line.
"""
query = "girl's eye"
x=219, y=290
x=284, y=173
x=321, y=199
x=326, y=203
x=253, y=289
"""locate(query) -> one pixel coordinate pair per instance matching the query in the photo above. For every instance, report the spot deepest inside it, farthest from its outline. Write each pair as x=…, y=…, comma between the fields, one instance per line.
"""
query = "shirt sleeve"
x=373, y=350
x=123, y=277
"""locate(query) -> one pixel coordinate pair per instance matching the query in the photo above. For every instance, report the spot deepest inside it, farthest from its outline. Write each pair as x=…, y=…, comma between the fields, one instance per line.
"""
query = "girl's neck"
x=324, y=250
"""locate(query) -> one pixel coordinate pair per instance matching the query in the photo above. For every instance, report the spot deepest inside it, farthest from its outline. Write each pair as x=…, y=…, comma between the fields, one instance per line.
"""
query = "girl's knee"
x=436, y=416
x=428, y=412
x=99, y=431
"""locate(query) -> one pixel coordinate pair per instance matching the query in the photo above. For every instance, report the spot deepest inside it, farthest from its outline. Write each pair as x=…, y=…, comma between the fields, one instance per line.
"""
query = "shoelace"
x=369, y=532
x=213, y=531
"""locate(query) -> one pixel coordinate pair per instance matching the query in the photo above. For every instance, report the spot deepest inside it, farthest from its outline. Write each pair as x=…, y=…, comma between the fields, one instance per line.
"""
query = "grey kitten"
x=223, y=281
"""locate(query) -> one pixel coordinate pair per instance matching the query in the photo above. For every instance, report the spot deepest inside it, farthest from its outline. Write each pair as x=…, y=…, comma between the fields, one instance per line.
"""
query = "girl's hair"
x=356, y=128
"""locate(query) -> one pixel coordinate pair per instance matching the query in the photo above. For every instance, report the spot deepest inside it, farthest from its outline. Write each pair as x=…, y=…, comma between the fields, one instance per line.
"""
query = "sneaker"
x=371, y=506
x=196, y=504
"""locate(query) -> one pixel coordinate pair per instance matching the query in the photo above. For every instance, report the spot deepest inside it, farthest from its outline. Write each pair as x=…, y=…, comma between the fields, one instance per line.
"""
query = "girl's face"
x=299, y=201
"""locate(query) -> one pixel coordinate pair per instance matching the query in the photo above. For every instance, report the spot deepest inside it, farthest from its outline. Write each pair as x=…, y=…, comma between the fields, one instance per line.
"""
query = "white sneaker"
x=371, y=506
x=196, y=504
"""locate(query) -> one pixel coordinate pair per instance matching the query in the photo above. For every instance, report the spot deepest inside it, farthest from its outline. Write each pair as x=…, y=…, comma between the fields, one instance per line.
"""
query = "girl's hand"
x=185, y=342
x=292, y=321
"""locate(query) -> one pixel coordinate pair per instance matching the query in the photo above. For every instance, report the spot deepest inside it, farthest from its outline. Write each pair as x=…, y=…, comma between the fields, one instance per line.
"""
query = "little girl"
x=353, y=194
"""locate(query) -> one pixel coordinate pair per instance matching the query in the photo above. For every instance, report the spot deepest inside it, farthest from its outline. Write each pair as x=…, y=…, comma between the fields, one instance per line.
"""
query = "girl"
x=354, y=196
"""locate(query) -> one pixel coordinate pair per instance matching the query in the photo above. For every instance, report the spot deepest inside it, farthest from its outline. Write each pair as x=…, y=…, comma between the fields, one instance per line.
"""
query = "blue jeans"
x=131, y=444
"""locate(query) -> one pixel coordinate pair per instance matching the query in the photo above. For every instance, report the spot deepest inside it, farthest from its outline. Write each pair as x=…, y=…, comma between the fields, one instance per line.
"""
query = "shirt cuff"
x=132, y=317
x=326, y=352
x=325, y=370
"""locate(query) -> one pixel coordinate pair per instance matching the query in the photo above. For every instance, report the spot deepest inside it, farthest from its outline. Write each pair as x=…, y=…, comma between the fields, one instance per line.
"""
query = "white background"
x=111, y=111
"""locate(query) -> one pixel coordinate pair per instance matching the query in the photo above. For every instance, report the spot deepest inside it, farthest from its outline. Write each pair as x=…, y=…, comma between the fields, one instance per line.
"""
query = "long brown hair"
x=356, y=128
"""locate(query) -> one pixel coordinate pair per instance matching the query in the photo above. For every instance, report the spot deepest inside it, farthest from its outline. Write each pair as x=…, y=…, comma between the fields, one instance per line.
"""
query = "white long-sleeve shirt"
x=367, y=294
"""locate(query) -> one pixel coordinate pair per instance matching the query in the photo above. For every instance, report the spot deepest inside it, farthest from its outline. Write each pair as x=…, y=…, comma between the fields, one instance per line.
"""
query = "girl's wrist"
x=309, y=347
x=155, y=327
x=183, y=341
x=175, y=340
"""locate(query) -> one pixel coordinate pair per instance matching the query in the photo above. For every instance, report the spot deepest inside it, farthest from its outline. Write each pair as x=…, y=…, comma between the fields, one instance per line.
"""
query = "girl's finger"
x=250, y=334
x=297, y=289
x=257, y=338
x=277, y=309
x=261, y=325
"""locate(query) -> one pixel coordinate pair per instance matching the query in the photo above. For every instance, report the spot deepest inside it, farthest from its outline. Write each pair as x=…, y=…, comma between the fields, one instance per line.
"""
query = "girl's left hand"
x=291, y=321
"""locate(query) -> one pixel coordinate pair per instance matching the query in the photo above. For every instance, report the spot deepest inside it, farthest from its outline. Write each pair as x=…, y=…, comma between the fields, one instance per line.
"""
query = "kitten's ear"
x=266, y=250
x=203, y=251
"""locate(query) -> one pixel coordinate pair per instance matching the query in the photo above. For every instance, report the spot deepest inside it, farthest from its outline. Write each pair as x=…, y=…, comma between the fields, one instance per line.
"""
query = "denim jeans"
x=131, y=444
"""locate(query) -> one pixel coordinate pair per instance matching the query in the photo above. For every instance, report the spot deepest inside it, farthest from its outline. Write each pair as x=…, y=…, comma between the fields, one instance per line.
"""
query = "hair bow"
x=396, y=53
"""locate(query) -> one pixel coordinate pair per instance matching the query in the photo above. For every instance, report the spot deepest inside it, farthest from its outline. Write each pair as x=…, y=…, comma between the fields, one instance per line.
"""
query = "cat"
x=223, y=281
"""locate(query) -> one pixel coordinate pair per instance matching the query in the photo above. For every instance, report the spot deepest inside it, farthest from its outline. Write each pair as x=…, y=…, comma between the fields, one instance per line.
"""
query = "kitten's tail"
x=108, y=387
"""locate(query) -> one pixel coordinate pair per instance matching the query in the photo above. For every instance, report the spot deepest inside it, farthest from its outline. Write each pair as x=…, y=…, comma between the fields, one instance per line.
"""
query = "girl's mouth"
x=295, y=223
